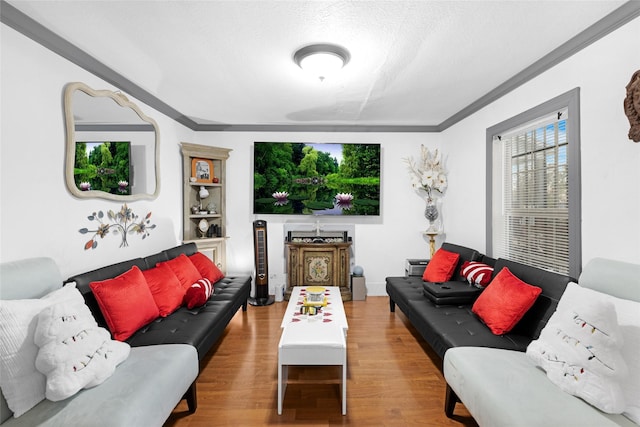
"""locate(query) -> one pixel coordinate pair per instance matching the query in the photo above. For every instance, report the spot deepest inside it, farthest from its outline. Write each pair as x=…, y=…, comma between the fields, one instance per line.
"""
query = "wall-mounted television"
x=103, y=166
x=306, y=178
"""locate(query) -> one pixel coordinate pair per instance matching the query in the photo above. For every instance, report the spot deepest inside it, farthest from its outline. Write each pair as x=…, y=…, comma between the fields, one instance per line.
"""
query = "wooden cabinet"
x=204, y=219
x=318, y=264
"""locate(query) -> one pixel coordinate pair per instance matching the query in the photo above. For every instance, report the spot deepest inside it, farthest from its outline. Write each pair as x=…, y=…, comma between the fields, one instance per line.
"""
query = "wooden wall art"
x=632, y=106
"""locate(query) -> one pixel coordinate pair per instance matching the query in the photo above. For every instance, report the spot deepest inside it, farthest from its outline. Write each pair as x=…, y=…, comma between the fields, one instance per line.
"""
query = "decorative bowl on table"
x=315, y=294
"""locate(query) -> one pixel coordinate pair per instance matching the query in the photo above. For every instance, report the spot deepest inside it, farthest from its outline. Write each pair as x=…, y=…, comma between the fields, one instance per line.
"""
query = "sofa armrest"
x=617, y=278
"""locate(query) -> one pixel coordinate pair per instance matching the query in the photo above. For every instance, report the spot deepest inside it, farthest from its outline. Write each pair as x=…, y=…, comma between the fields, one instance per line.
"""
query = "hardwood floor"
x=394, y=378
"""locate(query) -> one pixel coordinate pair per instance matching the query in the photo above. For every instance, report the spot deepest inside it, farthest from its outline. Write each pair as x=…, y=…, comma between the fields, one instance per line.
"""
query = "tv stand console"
x=318, y=264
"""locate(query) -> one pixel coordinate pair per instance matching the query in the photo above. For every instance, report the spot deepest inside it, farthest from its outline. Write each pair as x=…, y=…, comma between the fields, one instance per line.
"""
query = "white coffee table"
x=313, y=340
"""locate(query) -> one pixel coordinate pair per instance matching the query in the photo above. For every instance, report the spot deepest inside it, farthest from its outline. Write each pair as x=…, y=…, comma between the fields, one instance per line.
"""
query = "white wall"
x=381, y=244
x=610, y=161
x=38, y=216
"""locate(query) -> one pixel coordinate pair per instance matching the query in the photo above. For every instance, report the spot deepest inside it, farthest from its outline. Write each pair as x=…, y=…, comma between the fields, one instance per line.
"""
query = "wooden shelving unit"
x=211, y=210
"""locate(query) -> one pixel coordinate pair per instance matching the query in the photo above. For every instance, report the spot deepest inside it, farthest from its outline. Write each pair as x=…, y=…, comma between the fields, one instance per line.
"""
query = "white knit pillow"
x=580, y=348
x=74, y=352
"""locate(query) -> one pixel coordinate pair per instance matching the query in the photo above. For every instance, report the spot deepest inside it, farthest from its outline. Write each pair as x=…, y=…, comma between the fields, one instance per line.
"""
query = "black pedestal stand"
x=261, y=301
x=262, y=296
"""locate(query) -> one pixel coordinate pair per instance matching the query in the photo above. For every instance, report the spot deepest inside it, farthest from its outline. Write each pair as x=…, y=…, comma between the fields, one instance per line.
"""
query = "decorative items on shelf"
x=430, y=178
x=122, y=222
x=203, y=194
x=202, y=170
x=203, y=227
x=204, y=197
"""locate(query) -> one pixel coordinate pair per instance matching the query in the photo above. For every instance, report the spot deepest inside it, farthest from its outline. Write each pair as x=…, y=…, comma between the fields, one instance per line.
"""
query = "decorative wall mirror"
x=112, y=146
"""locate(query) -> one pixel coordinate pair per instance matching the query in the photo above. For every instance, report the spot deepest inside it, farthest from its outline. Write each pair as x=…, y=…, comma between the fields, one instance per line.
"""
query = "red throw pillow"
x=441, y=266
x=476, y=273
x=505, y=301
x=206, y=267
x=126, y=303
x=184, y=270
x=165, y=287
x=198, y=293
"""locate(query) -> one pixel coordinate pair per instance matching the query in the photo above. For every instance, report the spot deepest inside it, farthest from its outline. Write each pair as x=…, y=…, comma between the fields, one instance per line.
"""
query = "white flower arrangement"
x=429, y=174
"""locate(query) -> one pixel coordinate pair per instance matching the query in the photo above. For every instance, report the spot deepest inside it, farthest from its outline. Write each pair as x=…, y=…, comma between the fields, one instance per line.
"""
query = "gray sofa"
x=165, y=353
x=504, y=387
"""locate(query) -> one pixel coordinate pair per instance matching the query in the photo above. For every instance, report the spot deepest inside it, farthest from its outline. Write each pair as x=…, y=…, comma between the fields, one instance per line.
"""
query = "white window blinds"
x=531, y=212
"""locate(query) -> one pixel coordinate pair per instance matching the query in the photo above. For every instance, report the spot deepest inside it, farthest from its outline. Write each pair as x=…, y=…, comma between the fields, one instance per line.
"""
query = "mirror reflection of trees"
x=311, y=179
x=103, y=166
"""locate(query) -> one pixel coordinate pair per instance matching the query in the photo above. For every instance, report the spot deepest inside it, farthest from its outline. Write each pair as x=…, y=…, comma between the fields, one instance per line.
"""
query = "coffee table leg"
x=283, y=374
x=344, y=385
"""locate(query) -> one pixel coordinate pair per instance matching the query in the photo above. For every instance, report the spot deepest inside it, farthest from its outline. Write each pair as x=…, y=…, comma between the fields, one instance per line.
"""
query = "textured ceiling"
x=413, y=63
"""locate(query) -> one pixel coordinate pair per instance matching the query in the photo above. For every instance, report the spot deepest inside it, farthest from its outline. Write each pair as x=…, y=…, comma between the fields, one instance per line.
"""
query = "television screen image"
x=304, y=178
x=103, y=166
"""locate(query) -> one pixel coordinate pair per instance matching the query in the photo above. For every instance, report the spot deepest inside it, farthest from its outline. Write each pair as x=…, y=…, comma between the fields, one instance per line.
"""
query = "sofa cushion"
x=520, y=395
x=451, y=292
x=184, y=269
x=505, y=301
x=206, y=267
x=476, y=273
x=165, y=288
x=124, y=400
x=201, y=326
x=441, y=266
x=23, y=386
x=446, y=326
x=126, y=303
x=198, y=293
x=74, y=353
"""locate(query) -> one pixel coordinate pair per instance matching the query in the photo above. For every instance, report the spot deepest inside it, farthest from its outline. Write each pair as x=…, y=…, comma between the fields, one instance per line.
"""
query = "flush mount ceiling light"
x=321, y=60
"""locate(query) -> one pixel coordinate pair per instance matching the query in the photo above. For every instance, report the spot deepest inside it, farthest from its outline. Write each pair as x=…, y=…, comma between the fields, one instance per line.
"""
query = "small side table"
x=432, y=241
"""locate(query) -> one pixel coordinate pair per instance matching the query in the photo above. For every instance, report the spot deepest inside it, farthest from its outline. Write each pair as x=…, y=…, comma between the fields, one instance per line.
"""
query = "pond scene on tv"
x=304, y=178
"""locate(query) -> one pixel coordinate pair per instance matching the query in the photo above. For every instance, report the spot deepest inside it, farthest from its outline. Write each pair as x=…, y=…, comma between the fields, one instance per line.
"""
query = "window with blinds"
x=534, y=174
x=535, y=211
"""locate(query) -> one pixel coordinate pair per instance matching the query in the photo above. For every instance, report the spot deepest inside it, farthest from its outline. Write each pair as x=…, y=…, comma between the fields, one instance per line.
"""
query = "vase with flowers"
x=428, y=177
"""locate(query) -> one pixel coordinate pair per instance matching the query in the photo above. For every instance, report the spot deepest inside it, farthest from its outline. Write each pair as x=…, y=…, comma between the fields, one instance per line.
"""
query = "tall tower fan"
x=261, y=290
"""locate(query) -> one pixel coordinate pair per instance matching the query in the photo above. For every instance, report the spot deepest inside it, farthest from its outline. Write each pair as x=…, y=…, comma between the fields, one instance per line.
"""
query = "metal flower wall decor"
x=120, y=223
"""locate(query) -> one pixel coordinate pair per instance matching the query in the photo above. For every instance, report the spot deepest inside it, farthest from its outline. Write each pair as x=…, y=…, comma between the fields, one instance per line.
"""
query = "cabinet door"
x=215, y=251
x=319, y=267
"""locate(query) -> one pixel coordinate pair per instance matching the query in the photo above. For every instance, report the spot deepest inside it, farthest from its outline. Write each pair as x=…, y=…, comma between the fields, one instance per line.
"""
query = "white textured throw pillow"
x=628, y=313
x=22, y=385
x=74, y=352
x=582, y=349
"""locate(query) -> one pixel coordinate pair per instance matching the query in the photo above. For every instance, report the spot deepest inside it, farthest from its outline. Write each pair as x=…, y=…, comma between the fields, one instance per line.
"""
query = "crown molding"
x=616, y=19
x=314, y=128
x=30, y=28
